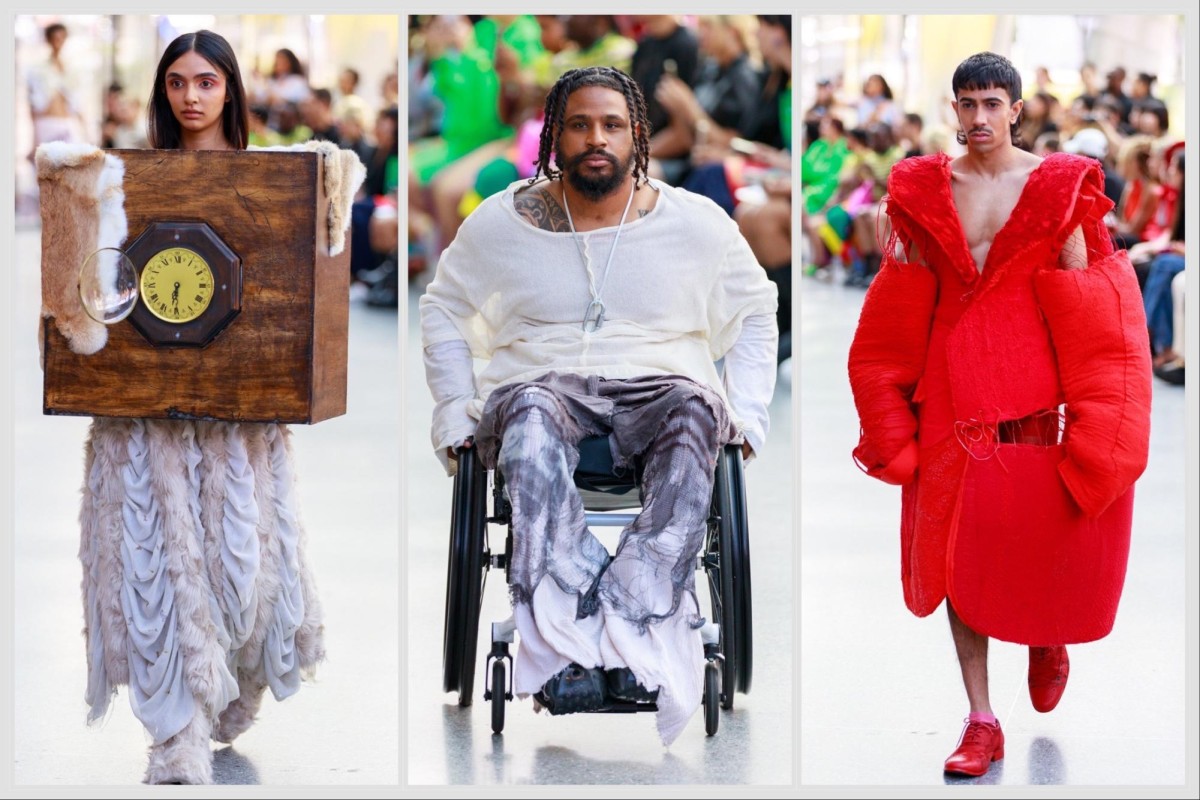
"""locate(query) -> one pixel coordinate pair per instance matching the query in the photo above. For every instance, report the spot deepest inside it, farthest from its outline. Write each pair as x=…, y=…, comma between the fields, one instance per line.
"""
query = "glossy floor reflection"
x=344, y=728
x=881, y=697
x=449, y=744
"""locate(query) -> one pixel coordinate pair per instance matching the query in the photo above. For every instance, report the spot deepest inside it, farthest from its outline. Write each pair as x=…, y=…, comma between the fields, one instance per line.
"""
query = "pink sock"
x=983, y=716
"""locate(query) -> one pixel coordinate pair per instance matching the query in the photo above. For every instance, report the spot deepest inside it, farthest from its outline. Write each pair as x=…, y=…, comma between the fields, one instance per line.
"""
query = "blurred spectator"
x=317, y=114
x=54, y=94
x=288, y=125
x=1087, y=79
x=597, y=44
x=1140, y=199
x=1092, y=142
x=287, y=83
x=1166, y=260
x=823, y=105
x=1035, y=118
x=1049, y=142
x=666, y=48
x=876, y=104
x=821, y=165
x=351, y=128
x=260, y=134
x=1115, y=92
x=389, y=90
x=1143, y=87
x=910, y=129
x=726, y=89
x=121, y=129
x=346, y=102
x=374, y=216
x=1149, y=116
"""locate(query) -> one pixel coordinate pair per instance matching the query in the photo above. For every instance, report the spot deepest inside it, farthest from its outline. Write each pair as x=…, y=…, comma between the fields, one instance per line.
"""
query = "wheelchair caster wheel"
x=712, y=698
x=499, y=688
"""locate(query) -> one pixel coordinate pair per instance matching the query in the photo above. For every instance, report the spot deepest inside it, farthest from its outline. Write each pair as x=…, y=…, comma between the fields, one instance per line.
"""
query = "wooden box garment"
x=282, y=356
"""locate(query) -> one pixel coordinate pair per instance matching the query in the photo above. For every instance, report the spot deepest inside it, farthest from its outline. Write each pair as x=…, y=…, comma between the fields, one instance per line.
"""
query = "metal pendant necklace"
x=593, y=318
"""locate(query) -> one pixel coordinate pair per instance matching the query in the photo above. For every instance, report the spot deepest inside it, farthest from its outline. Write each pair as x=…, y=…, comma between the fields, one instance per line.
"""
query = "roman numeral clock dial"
x=177, y=285
x=190, y=284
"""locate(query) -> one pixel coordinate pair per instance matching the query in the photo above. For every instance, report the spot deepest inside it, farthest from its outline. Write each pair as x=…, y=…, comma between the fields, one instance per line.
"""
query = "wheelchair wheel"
x=498, y=690
x=464, y=578
x=712, y=691
x=734, y=538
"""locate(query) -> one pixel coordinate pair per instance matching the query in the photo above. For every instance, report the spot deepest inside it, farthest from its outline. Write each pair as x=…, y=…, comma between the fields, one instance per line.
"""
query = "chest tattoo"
x=541, y=210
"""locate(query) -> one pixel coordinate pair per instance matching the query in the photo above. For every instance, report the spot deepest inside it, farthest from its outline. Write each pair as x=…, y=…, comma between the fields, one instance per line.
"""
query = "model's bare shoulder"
x=539, y=208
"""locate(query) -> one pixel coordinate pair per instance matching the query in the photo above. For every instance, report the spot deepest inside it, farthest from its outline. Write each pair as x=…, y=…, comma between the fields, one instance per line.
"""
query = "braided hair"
x=556, y=106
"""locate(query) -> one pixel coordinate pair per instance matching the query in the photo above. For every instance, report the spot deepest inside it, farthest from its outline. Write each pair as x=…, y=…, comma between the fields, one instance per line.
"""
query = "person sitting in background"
x=288, y=83
x=909, y=133
x=288, y=125
x=876, y=103
x=261, y=134
x=1035, y=118
x=1150, y=117
x=1140, y=200
x=665, y=48
x=725, y=88
x=822, y=163
x=823, y=106
x=317, y=113
x=1092, y=142
x=351, y=128
x=1165, y=254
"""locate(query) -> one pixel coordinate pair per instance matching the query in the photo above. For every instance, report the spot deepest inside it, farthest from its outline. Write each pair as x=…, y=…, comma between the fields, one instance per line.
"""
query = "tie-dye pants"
x=571, y=601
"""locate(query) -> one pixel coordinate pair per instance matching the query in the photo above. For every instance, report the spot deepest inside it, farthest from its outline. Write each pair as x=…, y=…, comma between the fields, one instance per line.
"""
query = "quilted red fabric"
x=1029, y=541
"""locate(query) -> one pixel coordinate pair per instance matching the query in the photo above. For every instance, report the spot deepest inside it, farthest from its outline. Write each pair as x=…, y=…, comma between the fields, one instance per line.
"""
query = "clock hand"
x=175, y=295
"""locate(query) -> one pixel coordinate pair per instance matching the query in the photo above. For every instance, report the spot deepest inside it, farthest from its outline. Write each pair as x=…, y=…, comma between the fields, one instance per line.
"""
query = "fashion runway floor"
x=342, y=729
x=449, y=744
x=880, y=689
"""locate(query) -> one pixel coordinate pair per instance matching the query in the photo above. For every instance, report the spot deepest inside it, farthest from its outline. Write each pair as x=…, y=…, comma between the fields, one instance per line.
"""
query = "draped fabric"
x=194, y=578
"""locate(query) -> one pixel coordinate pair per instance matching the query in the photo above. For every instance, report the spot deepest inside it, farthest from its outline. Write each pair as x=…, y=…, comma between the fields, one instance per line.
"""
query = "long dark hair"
x=556, y=106
x=293, y=61
x=164, y=130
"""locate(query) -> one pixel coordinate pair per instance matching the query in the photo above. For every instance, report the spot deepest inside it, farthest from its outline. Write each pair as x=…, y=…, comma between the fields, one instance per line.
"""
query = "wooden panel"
x=270, y=210
x=331, y=320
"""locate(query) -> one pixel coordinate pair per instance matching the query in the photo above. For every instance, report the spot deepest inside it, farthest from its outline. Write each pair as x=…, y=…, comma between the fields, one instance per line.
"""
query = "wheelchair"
x=724, y=558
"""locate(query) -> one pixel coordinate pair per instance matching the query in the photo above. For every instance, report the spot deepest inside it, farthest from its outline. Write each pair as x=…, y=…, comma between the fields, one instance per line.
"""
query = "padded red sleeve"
x=887, y=358
x=1098, y=328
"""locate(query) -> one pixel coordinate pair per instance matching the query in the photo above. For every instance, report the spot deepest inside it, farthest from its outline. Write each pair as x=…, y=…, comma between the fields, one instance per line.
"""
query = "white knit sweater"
x=684, y=291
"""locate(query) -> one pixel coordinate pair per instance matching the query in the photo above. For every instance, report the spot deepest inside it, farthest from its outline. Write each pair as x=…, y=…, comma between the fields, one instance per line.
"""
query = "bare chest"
x=984, y=207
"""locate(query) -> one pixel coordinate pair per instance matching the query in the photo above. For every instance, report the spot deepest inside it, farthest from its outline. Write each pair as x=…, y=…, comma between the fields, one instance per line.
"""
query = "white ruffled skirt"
x=195, y=586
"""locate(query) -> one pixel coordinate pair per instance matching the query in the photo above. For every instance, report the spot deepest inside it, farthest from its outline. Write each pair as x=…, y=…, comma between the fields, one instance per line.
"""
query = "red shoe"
x=981, y=743
x=1048, y=670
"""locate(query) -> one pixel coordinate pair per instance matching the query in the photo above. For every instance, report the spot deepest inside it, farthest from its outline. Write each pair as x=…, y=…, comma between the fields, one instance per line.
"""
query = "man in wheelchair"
x=600, y=300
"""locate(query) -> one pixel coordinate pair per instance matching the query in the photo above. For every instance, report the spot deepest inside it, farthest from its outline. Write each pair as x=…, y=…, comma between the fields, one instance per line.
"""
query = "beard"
x=598, y=186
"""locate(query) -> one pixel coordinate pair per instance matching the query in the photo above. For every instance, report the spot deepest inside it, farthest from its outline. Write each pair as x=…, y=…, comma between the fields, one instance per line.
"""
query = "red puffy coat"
x=1029, y=541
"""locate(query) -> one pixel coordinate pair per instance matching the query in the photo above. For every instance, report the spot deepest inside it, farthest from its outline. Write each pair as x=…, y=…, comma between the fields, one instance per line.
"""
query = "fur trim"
x=171, y=480
x=184, y=758
x=250, y=660
x=83, y=209
x=237, y=718
x=230, y=522
x=195, y=585
x=310, y=638
x=344, y=173
x=281, y=659
x=100, y=552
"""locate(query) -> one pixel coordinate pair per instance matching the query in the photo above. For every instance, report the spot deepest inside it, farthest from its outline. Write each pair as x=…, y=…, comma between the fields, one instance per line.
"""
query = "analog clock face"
x=177, y=285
